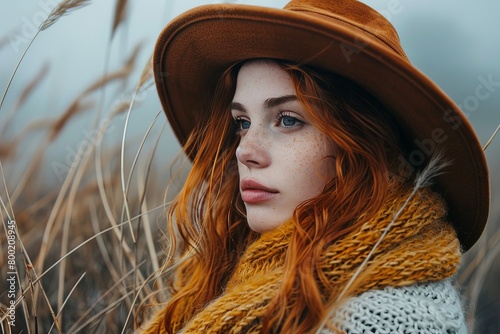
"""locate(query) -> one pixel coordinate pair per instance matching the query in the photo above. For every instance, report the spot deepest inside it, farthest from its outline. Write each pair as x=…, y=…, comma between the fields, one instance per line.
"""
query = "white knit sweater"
x=419, y=308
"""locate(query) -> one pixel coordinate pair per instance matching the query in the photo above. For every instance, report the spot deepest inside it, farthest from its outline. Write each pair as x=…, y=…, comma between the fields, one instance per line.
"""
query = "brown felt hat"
x=345, y=37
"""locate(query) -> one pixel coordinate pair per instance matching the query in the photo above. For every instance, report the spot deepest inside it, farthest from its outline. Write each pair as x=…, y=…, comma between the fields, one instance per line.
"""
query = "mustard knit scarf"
x=419, y=247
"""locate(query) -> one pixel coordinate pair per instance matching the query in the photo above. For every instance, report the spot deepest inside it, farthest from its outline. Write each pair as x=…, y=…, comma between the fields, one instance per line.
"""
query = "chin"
x=263, y=225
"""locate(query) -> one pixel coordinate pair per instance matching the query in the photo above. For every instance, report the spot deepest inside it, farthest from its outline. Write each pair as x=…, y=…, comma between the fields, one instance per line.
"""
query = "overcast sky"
x=455, y=42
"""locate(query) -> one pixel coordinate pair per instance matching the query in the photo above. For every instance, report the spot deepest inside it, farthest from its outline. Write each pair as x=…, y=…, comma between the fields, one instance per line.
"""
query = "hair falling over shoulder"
x=207, y=221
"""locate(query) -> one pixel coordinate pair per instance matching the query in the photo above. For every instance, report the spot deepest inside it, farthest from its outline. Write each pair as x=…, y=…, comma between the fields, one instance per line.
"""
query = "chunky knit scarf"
x=420, y=247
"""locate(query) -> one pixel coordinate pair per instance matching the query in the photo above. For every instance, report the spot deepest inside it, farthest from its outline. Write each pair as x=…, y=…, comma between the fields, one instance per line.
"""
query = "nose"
x=253, y=150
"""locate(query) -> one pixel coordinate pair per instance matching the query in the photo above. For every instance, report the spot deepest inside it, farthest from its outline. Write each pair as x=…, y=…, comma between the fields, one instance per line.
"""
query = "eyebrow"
x=276, y=101
x=269, y=103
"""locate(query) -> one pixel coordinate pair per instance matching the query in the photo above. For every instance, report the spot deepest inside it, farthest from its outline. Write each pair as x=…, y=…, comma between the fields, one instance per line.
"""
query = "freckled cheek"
x=306, y=175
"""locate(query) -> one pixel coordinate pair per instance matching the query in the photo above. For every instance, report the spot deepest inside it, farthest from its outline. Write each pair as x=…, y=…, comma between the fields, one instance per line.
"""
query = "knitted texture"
x=419, y=308
x=420, y=247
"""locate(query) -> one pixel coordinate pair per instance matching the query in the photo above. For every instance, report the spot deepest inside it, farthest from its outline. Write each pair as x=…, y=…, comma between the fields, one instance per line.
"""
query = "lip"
x=254, y=192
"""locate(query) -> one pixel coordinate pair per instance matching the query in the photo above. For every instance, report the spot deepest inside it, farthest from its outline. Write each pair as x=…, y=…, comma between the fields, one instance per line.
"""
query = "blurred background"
x=64, y=117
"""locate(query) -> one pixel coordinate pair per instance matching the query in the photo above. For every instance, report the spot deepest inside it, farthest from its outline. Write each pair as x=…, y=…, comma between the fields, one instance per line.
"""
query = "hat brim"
x=195, y=48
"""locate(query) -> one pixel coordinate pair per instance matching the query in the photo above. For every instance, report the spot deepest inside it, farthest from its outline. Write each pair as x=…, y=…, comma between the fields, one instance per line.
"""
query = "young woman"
x=308, y=206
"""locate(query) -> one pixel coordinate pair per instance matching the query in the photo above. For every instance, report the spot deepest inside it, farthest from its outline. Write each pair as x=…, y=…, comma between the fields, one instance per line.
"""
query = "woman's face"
x=282, y=159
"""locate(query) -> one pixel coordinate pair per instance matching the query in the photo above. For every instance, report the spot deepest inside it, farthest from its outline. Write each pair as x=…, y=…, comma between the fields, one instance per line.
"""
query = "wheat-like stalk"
x=144, y=76
x=65, y=7
x=491, y=138
x=119, y=16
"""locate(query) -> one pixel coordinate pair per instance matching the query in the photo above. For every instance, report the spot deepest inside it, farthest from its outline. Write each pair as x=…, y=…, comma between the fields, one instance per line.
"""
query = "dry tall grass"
x=88, y=246
x=84, y=260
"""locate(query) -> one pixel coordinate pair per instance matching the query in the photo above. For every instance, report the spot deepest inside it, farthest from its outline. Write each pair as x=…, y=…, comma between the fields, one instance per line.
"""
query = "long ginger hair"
x=207, y=224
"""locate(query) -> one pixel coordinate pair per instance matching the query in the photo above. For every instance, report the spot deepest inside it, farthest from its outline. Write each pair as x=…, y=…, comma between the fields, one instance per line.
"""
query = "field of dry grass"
x=80, y=242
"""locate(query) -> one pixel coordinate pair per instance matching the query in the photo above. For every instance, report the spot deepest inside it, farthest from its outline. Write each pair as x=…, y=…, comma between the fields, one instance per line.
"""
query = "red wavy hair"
x=207, y=221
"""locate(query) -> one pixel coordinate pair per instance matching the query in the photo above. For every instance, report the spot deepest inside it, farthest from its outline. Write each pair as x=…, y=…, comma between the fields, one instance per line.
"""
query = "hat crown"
x=354, y=13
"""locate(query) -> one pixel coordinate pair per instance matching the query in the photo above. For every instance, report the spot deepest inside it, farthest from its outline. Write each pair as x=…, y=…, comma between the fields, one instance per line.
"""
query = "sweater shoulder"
x=434, y=307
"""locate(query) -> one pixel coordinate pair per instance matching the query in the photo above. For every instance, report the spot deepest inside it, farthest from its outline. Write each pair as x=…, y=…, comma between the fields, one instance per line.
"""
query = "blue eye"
x=286, y=121
x=241, y=124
